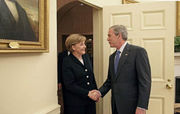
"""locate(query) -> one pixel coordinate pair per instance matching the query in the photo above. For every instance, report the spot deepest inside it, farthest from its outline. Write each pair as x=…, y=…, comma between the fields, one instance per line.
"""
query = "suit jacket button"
x=87, y=76
x=88, y=83
x=86, y=70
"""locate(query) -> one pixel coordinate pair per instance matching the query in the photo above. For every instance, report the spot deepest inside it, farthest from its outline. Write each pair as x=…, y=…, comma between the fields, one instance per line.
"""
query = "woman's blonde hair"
x=72, y=40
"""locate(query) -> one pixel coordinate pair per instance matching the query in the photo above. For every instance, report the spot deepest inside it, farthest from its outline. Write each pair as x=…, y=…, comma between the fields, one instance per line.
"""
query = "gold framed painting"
x=129, y=1
x=24, y=26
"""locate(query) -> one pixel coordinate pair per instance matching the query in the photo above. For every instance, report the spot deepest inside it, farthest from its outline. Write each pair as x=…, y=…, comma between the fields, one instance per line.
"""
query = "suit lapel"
x=112, y=63
x=87, y=63
x=75, y=59
x=79, y=63
x=123, y=59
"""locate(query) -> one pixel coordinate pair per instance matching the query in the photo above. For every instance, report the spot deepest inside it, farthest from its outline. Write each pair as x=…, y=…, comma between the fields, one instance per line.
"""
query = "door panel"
x=152, y=26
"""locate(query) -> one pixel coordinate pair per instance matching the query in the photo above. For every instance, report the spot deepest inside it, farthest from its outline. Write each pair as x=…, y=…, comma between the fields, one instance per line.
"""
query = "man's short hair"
x=120, y=29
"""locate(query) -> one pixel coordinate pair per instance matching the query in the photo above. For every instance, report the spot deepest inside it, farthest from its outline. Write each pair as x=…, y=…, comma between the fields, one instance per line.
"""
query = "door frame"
x=97, y=51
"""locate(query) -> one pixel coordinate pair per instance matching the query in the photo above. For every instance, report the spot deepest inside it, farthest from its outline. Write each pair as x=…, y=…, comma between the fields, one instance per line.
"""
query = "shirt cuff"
x=141, y=108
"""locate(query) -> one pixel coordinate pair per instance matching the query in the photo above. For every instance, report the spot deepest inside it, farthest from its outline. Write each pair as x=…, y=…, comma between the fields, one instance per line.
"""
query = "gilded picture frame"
x=129, y=1
x=21, y=36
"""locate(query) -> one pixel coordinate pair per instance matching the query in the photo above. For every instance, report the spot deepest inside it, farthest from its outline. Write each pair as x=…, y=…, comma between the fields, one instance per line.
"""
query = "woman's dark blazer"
x=77, y=80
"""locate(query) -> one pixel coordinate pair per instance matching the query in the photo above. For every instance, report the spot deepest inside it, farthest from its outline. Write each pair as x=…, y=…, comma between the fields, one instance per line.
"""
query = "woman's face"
x=79, y=48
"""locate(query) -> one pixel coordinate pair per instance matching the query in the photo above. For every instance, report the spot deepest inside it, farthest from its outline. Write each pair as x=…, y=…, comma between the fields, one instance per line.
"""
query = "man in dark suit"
x=129, y=75
x=14, y=23
x=61, y=57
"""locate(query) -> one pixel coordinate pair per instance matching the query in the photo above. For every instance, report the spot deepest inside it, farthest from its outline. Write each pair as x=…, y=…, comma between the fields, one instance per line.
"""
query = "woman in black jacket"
x=78, y=78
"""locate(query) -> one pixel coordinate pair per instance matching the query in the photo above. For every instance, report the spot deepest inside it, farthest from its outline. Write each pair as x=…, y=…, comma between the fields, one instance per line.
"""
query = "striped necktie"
x=116, y=61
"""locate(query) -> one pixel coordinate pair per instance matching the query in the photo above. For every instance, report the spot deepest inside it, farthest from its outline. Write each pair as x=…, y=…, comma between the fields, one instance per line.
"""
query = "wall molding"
x=53, y=109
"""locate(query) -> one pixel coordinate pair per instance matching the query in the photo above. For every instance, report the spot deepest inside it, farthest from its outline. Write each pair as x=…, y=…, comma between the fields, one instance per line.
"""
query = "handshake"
x=94, y=95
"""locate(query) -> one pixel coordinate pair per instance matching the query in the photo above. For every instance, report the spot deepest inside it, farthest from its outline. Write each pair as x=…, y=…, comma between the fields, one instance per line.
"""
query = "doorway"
x=74, y=17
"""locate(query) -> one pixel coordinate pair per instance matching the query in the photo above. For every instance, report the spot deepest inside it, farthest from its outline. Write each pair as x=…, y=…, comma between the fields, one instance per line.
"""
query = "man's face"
x=112, y=38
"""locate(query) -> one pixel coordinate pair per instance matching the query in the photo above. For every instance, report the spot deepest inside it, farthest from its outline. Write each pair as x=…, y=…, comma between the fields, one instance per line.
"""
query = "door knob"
x=169, y=80
x=169, y=86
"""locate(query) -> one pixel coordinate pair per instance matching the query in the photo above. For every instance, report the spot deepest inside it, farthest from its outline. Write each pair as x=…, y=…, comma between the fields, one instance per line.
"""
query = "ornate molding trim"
x=53, y=109
x=129, y=1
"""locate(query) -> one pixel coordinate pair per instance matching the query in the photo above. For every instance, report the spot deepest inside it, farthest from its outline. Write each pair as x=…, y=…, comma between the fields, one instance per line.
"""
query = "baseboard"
x=53, y=109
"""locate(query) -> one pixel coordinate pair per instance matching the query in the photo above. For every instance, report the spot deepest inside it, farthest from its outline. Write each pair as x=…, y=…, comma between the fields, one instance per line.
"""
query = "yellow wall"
x=28, y=80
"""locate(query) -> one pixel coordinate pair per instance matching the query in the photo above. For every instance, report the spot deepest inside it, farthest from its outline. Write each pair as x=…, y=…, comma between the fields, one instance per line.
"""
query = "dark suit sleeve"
x=69, y=80
x=107, y=84
x=144, y=78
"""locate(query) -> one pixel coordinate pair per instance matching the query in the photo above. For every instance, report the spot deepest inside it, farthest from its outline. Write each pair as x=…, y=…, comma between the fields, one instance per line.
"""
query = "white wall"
x=102, y=3
x=28, y=80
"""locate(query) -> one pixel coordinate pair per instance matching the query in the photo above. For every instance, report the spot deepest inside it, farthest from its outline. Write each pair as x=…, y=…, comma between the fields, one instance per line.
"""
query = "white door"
x=152, y=26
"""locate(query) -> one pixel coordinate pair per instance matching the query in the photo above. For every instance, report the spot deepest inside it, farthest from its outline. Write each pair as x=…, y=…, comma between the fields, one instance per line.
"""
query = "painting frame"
x=42, y=45
x=129, y=1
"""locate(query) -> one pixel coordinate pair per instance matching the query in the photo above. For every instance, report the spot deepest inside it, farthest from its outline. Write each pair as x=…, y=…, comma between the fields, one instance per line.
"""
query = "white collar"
x=123, y=46
x=68, y=52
